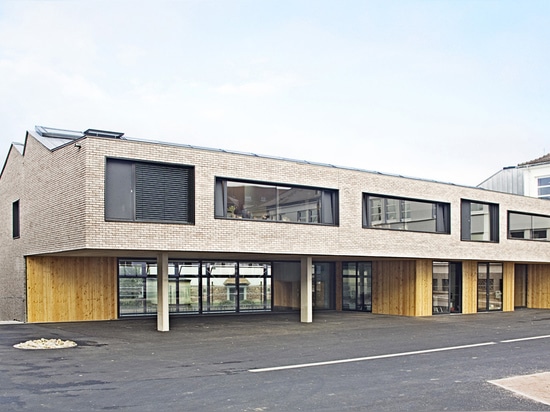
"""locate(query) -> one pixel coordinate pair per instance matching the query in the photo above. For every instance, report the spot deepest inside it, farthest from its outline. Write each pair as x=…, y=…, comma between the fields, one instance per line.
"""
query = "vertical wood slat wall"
x=538, y=286
x=469, y=287
x=61, y=289
x=520, y=286
x=393, y=287
x=508, y=269
x=423, y=287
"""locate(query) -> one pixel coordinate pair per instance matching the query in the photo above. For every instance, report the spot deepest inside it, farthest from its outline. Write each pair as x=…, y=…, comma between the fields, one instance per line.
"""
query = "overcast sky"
x=445, y=90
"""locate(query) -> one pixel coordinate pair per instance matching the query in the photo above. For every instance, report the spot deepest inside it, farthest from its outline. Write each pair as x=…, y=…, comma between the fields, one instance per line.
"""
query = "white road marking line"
x=367, y=358
x=522, y=339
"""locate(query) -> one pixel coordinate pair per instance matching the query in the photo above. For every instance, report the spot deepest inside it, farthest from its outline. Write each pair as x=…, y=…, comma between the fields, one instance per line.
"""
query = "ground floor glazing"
x=221, y=286
x=78, y=288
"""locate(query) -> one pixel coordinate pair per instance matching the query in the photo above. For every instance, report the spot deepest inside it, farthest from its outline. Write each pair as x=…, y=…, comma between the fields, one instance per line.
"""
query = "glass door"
x=220, y=287
x=489, y=287
x=446, y=287
x=323, y=286
x=357, y=286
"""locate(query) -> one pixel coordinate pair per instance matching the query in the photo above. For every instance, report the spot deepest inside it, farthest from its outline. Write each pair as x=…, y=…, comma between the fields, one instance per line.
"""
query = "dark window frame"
x=532, y=230
x=327, y=215
x=131, y=184
x=361, y=302
x=141, y=271
x=466, y=221
x=16, y=219
x=441, y=212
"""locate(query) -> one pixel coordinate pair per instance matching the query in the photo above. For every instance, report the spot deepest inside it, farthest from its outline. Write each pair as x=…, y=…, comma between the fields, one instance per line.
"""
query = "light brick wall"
x=243, y=236
x=54, y=199
x=12, y=262
x=51, y=188
x=61, y=195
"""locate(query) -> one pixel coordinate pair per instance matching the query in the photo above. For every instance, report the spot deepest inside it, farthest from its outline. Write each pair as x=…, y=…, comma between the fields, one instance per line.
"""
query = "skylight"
x=103, y=133
x=59, y=133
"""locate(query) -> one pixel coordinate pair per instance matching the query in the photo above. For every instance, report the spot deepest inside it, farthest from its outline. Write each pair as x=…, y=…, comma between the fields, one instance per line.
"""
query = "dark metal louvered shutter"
x=162, y=192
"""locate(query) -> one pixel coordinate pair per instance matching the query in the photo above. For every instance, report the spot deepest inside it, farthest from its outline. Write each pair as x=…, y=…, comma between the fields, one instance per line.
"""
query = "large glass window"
x=195, y=287
x=183, y=287
x=254, y=286
x=262, y=201
x=219, y=287
x=137, y=287
x=527, y=226
x=383, y=212
x=479, y=221
x=149, y=192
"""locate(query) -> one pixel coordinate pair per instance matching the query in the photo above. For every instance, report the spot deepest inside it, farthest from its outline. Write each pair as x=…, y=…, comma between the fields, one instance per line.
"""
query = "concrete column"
x=306, y=290
x=163, y=310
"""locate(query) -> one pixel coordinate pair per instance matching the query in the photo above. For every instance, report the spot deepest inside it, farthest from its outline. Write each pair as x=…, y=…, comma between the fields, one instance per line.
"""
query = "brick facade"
x=61, y=194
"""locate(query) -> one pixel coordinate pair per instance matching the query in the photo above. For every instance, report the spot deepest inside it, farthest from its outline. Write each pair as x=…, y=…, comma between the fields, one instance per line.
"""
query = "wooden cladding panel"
x=286, y=295
x=538, y=286
x=520, y=286
x=508, y=286
x=393, y=287
x=469, y=287
x=423, y=288
x=61, y=289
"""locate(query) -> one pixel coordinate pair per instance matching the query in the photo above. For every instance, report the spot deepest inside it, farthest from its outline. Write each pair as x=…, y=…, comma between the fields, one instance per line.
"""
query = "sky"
x=451, y=91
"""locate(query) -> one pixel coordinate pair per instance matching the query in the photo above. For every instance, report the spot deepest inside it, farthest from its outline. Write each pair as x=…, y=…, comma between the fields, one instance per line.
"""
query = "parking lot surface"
x=343, y=361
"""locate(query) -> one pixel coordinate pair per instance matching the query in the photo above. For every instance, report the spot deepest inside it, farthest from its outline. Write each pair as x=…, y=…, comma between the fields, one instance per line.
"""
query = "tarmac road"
x=270, y=362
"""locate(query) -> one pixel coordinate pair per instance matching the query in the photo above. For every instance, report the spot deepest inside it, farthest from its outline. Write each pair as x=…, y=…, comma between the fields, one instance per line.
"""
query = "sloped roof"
x=19, y=146
x=543, y=159
x=53, y=139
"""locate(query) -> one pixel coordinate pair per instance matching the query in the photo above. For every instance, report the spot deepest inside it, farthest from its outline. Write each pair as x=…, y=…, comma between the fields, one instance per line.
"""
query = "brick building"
x=98, y=226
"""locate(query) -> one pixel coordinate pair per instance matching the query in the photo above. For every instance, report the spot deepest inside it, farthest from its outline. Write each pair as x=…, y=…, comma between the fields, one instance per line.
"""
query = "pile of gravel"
x=46, y=344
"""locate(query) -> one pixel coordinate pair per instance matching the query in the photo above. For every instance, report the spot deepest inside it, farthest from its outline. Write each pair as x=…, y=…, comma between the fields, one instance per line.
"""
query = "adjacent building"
x=98, y=226
x=530, y=178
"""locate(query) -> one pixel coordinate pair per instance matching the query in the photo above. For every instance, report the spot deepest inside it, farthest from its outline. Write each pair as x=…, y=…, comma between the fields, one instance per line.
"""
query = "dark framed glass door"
x=447, y=287
x=323, y=286
x=220, y=287
x=357, y=286
x=489, y=287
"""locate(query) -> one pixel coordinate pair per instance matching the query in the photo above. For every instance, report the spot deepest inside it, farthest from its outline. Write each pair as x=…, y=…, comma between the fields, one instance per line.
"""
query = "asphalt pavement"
x=343, y=361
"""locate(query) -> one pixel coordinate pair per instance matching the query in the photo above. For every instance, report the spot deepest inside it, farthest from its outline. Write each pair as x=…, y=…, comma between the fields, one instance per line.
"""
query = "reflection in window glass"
x=440, y=296
x=489, y=287
x=255, y=286
x=357, y=286
x=526, y=226
x=479, y=221
x=137, y=288
x=384, y=212
x=259, y=201
x=195, y=287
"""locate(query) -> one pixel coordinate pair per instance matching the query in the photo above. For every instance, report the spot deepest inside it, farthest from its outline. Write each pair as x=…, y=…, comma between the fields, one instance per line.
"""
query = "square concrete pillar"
x=306, y=290
x=163, y=310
